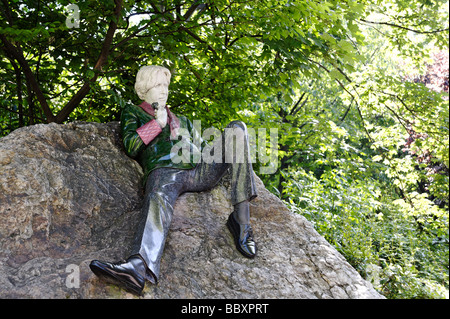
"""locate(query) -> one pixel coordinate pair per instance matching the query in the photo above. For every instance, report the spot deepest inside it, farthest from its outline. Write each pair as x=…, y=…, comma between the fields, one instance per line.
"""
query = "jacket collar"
x=147, y=107
x=172, y=120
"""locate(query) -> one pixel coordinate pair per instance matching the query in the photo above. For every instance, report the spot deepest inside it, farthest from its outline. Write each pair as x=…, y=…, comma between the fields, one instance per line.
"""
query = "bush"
x=402, y=257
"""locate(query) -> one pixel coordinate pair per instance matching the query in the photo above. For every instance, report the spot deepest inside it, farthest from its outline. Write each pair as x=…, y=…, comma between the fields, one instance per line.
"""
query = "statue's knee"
x=237, y=124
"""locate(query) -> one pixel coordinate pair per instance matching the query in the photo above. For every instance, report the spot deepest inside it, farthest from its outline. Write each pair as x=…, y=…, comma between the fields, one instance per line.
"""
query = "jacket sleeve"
x=149, y=131
x=129, y=123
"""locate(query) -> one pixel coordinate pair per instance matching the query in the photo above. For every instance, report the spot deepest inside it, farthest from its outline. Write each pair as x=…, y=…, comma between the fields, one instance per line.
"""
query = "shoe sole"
x=104, y=274
x=236, y=240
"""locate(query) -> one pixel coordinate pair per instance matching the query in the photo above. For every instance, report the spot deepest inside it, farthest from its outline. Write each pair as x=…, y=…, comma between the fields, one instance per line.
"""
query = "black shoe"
x=130, y=274
x=243, y=237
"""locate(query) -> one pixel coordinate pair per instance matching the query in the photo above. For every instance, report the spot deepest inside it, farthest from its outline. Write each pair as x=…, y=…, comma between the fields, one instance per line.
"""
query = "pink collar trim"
x=172, y=120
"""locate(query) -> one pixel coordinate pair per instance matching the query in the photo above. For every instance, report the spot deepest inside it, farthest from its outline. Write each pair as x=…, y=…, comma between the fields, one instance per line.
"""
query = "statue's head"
x=152, y=84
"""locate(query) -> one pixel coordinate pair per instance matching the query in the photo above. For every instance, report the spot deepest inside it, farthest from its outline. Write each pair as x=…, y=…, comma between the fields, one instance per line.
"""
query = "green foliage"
x=363, y=154
x=222, y=53
x=401, y=256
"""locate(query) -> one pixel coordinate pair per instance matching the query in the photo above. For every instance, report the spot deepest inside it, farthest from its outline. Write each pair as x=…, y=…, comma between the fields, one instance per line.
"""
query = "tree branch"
x=404, y=28
x=15, y=52
x=192, y=9
x=294, y=111
x=196, y=37
x=19, y=91
x=243, y=36
x=103, y=57
x=7, y=12
x=348, y=109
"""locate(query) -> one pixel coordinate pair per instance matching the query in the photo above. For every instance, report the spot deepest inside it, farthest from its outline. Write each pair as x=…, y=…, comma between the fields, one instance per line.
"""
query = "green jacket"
x=160, y=151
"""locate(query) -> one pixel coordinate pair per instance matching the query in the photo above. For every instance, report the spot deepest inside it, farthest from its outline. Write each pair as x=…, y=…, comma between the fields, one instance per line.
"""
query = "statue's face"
x=159, y=92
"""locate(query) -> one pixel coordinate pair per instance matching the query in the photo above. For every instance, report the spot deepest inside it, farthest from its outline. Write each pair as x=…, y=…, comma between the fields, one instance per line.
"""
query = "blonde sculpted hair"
x=148, y=77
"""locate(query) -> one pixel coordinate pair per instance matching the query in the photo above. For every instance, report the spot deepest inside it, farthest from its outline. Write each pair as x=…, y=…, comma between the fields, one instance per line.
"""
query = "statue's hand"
x=161, y=115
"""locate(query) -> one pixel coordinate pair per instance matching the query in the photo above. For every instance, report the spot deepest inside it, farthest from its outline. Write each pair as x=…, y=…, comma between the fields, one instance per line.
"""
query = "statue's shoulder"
x=131, y=107
x=133, y=110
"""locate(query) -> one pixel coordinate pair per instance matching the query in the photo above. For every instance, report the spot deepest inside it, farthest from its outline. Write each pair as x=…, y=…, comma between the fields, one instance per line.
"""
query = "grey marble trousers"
x=165, y=185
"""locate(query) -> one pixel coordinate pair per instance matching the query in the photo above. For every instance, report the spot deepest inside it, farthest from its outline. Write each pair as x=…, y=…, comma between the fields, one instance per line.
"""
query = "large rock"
x=69, y=194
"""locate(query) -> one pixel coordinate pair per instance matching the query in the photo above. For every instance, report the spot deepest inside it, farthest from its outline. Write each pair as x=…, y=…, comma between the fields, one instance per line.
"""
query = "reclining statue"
x=154, y=136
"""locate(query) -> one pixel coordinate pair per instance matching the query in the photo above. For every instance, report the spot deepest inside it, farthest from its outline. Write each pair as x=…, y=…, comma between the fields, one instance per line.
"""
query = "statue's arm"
x=129, y=123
